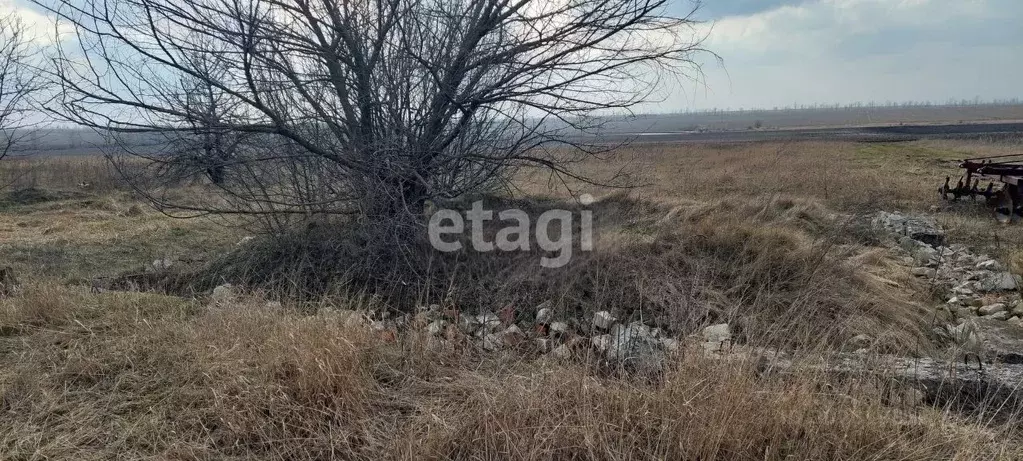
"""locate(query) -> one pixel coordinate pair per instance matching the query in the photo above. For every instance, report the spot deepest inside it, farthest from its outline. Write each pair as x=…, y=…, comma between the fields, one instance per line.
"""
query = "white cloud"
x=862, y=50
x=39, y=27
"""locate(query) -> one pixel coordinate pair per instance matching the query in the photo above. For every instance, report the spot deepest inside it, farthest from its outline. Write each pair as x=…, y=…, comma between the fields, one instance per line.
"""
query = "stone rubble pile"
x=634, y=346
x=974, y=285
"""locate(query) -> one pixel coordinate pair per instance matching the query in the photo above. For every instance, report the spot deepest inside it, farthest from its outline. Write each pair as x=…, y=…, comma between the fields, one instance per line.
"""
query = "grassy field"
x=758, y=235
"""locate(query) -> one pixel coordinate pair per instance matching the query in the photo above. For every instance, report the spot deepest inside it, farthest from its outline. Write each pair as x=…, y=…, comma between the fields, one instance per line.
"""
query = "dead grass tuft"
x=140, y=375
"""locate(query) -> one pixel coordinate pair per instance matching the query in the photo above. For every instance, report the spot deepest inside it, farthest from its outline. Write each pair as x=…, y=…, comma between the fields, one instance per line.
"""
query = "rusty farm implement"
x=1004, y=198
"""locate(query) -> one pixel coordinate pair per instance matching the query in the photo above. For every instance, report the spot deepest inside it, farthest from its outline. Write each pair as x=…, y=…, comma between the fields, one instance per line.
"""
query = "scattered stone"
x=492, y=342
x=953, y=300
x=436, y=327
x=1001, y=341
x=1000, y=281
x=603, y=320
x=489, y=321
x=632, y=347
x=468, y=324
x=924, y=230
x=244, y=240
x=990, y=265
x=925, y=255
x=162, y=264
x=545, y=315
x=925, y=272
x=991, y=309
x=350, y=318
x=717, y=333
x=965, y=335
x=962, y=290
x=223, y=294
x=513, y=335
x=559, y=328
x=671, y=345
x=861, y=341
x=601, y=342
x=1000, y=315
x=562, y=352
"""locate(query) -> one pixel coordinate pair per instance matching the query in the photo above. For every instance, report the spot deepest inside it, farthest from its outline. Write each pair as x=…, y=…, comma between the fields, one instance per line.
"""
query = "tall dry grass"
x=80, y=173
x=747, y=234
x=140, y=375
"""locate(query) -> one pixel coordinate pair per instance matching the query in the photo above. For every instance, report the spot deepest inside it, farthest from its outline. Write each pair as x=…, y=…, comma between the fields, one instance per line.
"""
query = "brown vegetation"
x=765, y=236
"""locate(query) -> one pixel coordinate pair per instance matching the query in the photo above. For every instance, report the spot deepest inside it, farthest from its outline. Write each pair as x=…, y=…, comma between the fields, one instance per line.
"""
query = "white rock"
x=1000, y=315
x=641, y=329
x=468, y=324
x=162, y=264
x=559, y=327
x=991, y=309
x=633, y=347
x=603, y=320
x=489, y=321
x=601, y=342
x=924, y=272
x=671, y=345
x=965, y=334
x=953, y=300
x=717, y=333
x=544, y=316
x=512, y=335
x=223, y=294
x=492, y=342
x=861, y=341
x=562, y=352
x=350, y=318
x=436, y=327
x=273, y=305
x=925, y=255
x=1000, y=281
x=244, y=240
x=989, y=265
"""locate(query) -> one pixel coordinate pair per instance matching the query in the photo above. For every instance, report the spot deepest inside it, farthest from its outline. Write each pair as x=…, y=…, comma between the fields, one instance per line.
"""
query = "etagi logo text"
x=519, y=234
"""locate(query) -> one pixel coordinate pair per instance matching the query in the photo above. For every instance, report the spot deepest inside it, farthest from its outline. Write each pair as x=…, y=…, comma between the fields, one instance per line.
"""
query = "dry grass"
x=137, y=375
x=86, y=173
x=742, y=233
x=847, y=177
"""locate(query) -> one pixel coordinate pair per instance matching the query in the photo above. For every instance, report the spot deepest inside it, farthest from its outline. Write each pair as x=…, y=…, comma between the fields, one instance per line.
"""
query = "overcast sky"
x=780, y=53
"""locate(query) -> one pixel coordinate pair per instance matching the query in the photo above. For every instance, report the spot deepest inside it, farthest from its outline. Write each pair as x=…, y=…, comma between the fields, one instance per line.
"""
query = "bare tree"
x=366, y=107
x=18, y=82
